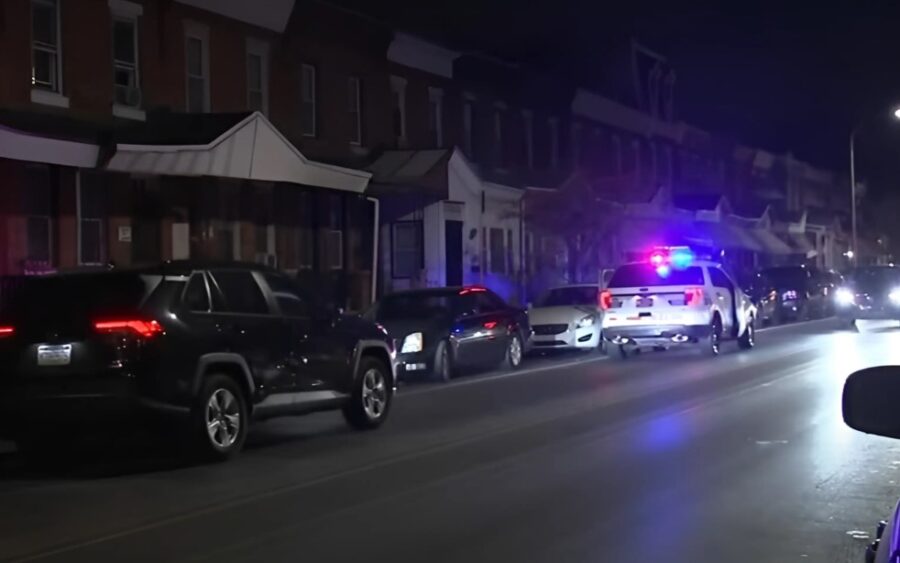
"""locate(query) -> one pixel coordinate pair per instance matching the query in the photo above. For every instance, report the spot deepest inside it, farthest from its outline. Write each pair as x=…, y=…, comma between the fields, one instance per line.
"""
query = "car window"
x=288, y=296
x=241, y=292
x=645, y=275
x=564, y=296
x=196, y=295
x=415, y=304
x=719, y=279
x=489, y=301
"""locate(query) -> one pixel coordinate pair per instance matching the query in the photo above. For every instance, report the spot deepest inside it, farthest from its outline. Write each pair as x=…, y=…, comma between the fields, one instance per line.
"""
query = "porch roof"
x=51, y=139
x=242, y=146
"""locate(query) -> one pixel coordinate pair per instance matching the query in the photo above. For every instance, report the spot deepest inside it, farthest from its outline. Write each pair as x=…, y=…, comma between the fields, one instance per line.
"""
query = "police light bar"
x=665, y=258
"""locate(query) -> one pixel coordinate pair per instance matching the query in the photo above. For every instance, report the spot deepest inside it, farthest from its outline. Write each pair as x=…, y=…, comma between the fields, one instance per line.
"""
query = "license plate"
x=54, y=355
x=644, y=302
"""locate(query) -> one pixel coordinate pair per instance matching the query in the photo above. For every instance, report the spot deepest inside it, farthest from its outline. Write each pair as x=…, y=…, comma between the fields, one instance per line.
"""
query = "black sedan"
x=440, y=330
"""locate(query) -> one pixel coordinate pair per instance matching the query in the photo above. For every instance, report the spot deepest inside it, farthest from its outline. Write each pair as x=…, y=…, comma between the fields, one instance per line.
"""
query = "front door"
x=724, y=294
x=453, y=243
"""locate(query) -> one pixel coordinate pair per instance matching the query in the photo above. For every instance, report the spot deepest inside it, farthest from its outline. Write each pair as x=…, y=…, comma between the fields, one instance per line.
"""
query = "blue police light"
x=681, y=257
x=663, y=270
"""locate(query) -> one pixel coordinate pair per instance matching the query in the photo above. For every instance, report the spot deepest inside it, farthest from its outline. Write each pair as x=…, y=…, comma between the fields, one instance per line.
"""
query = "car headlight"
x=412, y=343
x=585, y=322
x=844, y=296
x=894, y=296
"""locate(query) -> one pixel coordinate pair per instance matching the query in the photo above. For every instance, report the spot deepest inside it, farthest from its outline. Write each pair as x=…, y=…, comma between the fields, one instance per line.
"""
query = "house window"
x=528, y=137
x=499, y=153
x=197, y=68
x=510, y=259
x=498, y=253
x=553, y=124
x=39, y=214
x=257, y=76
x=91, y=198
x=468, y=125
x=331, y=215
x=308, y=100
x=436, y=116
x=406, y=243
x=126, y=77
x=45, y=46
x=398, y=96
x=576, y=144
x=354, y=108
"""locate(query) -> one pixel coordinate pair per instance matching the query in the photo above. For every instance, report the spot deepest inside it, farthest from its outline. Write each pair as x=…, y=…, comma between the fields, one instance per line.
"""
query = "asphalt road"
x=666, y=457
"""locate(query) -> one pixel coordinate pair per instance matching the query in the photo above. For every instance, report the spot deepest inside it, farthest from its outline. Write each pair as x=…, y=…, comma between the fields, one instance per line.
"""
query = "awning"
x=251, y=149
x=724, y=235
x=799, y=244
x=640, y=234
x=770, y=243
x=20, y=145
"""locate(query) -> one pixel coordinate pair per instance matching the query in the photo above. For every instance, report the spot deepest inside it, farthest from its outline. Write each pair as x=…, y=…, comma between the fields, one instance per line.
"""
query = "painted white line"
x=493, y=377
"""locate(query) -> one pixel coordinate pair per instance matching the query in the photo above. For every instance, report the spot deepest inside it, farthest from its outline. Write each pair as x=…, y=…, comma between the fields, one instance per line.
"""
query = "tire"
x=747, y=340
x=373, y=393
x=219, y=419
x=443, y=369
x=515, y=352
x=623, y=352
x=713, y=345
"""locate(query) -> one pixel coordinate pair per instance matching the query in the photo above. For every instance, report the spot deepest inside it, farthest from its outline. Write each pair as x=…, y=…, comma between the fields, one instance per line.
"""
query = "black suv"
x=218, y=344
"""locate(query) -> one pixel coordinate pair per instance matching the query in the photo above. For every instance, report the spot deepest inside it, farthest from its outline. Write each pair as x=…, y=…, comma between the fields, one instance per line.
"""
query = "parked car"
x=869, y=293
x=567, y=318
x=442, y=330
x=799, y=294
x=216, y=346
x=870, y=405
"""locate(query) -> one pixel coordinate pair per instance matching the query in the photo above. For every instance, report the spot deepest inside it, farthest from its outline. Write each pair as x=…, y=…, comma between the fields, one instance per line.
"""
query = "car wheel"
x=714, y=340
x=372, y=394
x=219, y=419
x=514, y=352
x=747, y=340
x=443, y=363
x=623, y=352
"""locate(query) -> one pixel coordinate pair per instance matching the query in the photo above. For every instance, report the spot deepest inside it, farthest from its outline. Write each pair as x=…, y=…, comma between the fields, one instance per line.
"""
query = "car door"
x=311, y=357
x=499, y=315
x=475, y=331
x=724, y=296
x=250, y=327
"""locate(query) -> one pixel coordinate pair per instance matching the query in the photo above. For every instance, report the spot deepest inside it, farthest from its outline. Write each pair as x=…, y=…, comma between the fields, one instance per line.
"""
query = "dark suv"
x=218, y=345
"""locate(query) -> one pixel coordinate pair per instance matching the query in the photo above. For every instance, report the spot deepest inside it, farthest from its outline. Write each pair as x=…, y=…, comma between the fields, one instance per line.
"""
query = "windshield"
x=414, y=305
x=645, y=275
x=874, y=278
x=563, y=296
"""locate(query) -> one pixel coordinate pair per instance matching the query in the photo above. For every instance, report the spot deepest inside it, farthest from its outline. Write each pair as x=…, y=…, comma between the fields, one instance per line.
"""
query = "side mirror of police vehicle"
x=870, y=401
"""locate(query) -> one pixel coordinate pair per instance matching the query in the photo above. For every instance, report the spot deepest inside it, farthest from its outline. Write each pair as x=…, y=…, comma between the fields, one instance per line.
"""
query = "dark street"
x=668, y=456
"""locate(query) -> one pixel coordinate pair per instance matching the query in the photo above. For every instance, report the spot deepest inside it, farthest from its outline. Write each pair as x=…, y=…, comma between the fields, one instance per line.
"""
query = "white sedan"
x=567, y=318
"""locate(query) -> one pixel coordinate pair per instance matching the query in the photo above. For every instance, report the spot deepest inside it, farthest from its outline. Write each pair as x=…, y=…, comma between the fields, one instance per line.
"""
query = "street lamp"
x=853, y=254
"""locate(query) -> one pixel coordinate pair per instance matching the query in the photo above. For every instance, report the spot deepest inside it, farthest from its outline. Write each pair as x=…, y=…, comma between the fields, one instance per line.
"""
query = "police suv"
x=674, y=298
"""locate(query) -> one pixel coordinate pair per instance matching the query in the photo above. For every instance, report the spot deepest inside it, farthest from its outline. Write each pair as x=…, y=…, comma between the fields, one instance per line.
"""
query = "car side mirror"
x=870, y=401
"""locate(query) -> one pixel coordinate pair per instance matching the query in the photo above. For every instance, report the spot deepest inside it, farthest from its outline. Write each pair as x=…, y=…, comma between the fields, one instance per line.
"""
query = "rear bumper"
x=76, y=402
x=656, y=334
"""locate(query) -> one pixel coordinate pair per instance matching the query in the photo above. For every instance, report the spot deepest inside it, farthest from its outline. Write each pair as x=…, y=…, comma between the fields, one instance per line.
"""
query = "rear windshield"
x=787, y=277
x=73, y=295
x=416, y=305
x=563, y=296
x=645, y=275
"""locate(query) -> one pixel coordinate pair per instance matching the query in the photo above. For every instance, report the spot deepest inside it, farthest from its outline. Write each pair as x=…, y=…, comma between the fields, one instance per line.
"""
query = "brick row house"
x=361, y=158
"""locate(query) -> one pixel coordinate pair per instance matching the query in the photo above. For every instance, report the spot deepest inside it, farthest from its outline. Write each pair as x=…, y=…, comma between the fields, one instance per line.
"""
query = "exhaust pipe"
x=620, y=340
x=680, y=338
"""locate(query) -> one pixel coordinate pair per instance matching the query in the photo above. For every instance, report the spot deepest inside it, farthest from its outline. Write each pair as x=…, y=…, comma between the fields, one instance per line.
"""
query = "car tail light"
x=693, y=296
x=490, y=325
x=6, y=330
x=144, y=328
x=606, y=300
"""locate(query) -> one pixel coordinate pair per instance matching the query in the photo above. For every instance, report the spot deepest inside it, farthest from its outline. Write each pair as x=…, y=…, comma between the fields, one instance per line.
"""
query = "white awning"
x=253, y=149
x=18, y=145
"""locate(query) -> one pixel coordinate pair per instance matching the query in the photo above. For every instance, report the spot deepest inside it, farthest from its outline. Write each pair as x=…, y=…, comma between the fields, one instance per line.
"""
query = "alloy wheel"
x=223, y=418
x=374, y=393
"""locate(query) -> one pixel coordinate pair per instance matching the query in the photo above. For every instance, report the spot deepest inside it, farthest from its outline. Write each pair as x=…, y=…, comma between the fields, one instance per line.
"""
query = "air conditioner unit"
x=128, y=96
x=267, y=259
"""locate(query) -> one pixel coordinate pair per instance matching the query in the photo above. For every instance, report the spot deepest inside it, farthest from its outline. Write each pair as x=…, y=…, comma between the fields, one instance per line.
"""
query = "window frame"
x=295, y=292
x=56, y=50
x=127, y=12
x=200, y=33
x=47, y=217
x=258, y=48
x=226, y=306
x=209, y=300
x=354, y=85
x=304, y=67
x=81, y=219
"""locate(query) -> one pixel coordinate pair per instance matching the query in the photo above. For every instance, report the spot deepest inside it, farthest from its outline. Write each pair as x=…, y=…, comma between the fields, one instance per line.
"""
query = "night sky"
x=782, y=76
